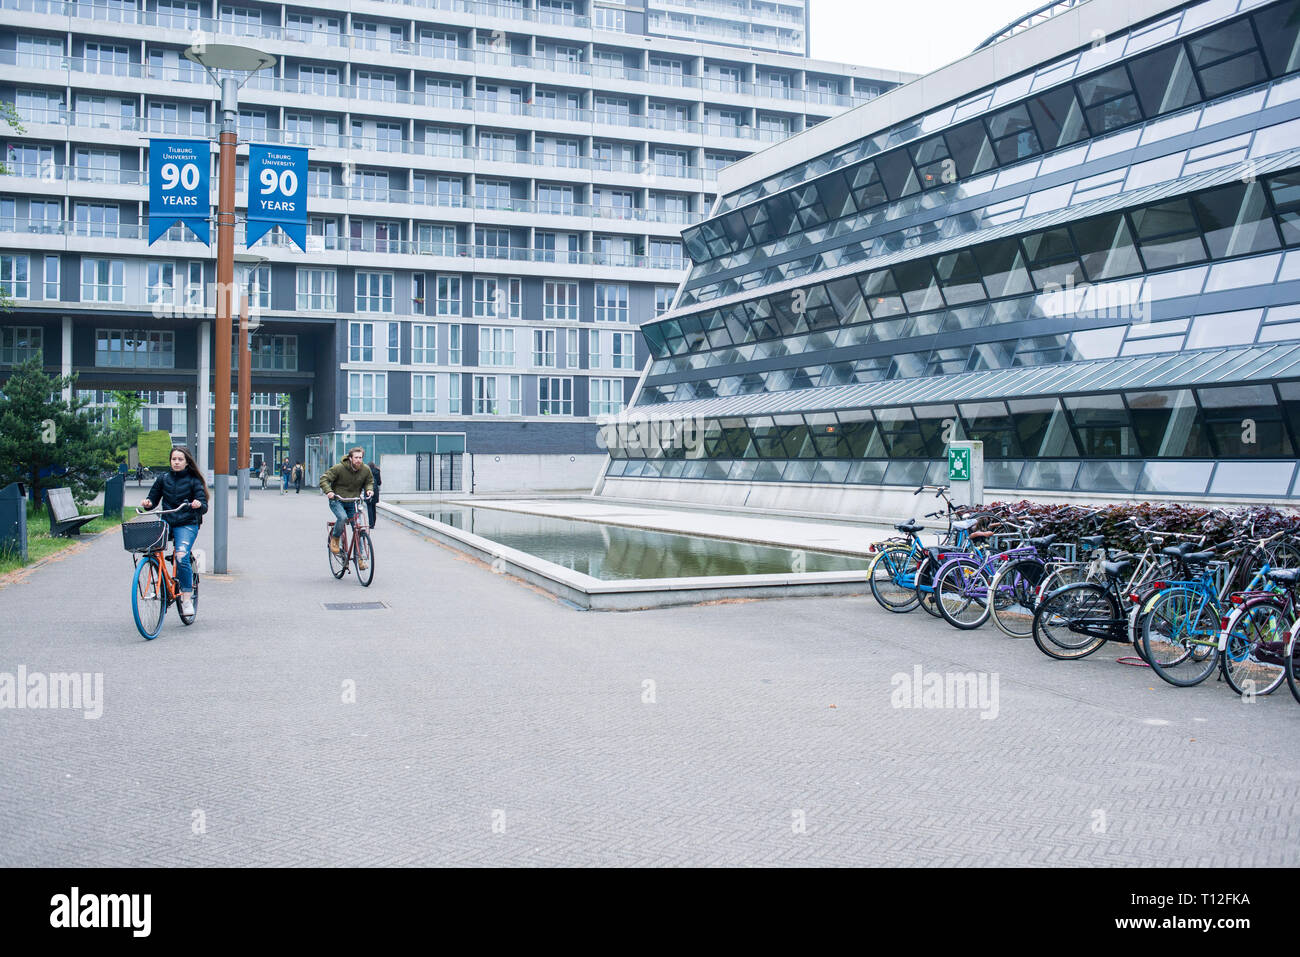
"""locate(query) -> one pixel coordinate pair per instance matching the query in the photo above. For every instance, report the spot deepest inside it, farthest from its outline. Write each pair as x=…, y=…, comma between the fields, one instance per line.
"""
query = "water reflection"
x=613, y=552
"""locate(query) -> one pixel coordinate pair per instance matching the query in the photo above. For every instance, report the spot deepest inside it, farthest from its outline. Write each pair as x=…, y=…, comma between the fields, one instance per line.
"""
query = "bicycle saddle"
x=1042, y=542
x=1177, y=551
x=967, y=525
x=911, y=525
x=1116, y=569
x=1284, y=576
x=1095, y=541
x=1198, y=558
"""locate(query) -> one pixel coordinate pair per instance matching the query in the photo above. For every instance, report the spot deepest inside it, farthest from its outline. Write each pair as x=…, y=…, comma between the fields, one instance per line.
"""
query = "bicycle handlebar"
x=340, y=498
x=165, y=511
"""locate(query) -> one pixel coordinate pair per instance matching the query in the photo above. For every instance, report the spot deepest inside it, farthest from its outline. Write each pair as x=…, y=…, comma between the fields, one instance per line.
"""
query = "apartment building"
x=497, y=193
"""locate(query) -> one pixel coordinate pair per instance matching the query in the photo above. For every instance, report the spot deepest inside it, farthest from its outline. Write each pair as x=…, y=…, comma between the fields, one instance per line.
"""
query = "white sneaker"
x=187, y=606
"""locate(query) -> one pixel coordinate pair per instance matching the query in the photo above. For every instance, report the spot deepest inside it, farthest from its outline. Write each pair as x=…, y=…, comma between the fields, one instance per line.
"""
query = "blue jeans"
x=343, y=511
x=183, y=536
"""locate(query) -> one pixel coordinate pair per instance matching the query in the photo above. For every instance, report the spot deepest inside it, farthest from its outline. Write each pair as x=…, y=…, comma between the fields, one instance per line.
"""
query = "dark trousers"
x=370, y=507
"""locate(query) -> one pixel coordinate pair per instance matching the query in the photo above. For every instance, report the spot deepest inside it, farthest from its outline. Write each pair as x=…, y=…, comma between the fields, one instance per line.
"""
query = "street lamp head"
x=227, y=56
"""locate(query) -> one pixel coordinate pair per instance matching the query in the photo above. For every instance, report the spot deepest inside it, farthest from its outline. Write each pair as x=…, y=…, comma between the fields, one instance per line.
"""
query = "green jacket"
x=345, y=483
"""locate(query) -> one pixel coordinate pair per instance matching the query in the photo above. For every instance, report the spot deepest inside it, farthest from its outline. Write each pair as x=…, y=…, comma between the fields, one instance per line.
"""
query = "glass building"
x=496, y=194
x=1087, y=256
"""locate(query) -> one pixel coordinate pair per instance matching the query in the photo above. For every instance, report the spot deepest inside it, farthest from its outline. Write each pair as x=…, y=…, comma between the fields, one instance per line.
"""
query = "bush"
x=1217, y=525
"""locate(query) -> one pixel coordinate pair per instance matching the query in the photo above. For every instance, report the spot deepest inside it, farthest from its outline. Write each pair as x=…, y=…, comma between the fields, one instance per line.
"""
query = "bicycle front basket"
x=144, y=534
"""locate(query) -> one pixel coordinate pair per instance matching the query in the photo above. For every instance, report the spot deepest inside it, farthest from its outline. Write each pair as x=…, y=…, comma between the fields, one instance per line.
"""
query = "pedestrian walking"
x=299, y=473
x=284, y=478
x=370, y=502
x=262, y=474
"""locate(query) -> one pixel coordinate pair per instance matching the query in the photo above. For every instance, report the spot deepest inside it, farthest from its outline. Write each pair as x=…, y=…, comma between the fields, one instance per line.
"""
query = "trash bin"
x=13, y=520
x=114, y=490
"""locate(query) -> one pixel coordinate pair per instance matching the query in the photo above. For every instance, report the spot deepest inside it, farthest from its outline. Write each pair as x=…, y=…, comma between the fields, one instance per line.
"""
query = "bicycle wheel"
x=1015, y=592
x=339, y=562
x=924, y=587
x=1292, y=666
x=1058, y=578
x=1284, y=554
x=1180, y=637
x=1252, y=658
x=1063, y=617
x=961, y=593
x=148, y=597
x=892, y=574
x=364, y=556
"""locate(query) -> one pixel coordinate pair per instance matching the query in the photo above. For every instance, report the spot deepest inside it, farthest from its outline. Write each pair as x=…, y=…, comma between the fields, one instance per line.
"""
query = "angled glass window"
x=938, y=425
x=1012, y=134
x=1003, y=266
x=990, y=423
x=1169, y=425
x=900, y=434
x=1042, y=429
x=1108, y=476
x=882, y=295
x=1227, y=59
x=1058, y=118
x=970, y=149
x=1049, y=475
x=1245, y=422
x=1285, y=192
x=1164, y=80
x=868, y=190
x=1235, y=220
x=1167, y=234
x=1051, y=257
x=959, y=277
x=1108, y=100
x=933, y=162
x=1279, y=29
x=1102, y=424
x=1106, y=247
x=897, y=174
x=917, y=283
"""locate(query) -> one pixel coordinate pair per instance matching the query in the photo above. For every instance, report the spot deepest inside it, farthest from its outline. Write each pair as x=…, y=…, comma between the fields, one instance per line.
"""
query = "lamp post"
x=242, y=460
x=215, y=57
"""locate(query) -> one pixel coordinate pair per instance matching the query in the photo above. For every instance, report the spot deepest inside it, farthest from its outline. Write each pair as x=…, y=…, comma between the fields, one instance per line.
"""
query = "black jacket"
x=170, y=490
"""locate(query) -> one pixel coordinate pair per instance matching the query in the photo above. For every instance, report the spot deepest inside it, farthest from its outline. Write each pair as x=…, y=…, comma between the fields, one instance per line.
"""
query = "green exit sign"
x=959, y=465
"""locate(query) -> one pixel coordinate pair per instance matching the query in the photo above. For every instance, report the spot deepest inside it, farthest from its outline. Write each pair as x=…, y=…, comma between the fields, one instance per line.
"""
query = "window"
x=106, y=58
x=316, y=290
x=491, y=243
x=544, y=348
x=560, y=300
x=555, y=199
x=19, y=343
x=368, y=392
x=496, y=346
x=194, y=285
x=374, y=292
x=606, y=396
x=436, y=240
x=498, y=298
x=318, y=80
x=52, y=277
x=96, y=219
x=453, y=344
x=664, y=299
x=14, y=279
x=612, y=109
x=593, y=348
x=485, y=395
x=554, y=395
x=98, y=166
x=515, y=399
x=492, y=193
x=611, y=302
x=275, y=353
x=160, y=283
x=103, y=280
x=424, y=344
x=256, y=280
x=424, y=393
x=623, y=351
x=44, y=216
x=361, y=342
x=125, y=348
x=572, y=354
x=447, y=298
x=666, y=254
x=453, y=392
x=606, y=18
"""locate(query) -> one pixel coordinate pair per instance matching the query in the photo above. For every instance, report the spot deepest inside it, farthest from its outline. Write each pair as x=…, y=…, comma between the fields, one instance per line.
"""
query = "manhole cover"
x=354, y=605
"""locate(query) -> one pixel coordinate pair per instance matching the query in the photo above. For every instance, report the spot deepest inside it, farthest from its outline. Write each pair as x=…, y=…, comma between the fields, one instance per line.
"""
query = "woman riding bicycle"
x=182, y=485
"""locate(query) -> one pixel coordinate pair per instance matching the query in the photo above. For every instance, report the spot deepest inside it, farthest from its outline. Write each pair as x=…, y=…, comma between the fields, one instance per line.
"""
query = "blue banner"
x=277, y=192
x=178, y=186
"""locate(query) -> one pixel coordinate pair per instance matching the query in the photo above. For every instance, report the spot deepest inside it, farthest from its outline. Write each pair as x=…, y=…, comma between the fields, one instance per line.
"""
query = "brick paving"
x=495, y=725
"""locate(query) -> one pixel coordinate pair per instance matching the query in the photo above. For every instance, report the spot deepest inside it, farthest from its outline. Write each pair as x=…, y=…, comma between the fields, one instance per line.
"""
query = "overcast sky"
x=908, y=35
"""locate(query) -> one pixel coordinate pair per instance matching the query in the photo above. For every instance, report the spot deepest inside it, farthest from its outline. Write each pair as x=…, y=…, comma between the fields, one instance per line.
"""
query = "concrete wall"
x=397, y=474
x=537, y=473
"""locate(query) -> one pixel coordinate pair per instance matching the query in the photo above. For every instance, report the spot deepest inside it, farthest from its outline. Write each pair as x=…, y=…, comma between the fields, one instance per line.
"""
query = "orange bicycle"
x=154, y=586
x=356, y=550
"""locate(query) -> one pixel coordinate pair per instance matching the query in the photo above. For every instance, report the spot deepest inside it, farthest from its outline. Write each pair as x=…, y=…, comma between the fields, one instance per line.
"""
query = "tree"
x=41, y=433
x=126, y=426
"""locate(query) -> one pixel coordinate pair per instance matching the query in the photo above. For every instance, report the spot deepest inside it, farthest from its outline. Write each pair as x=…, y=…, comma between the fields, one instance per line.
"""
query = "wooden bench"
x=64, y=517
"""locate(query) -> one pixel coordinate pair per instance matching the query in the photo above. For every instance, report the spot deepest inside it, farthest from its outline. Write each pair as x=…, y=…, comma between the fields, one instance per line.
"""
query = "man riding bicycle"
x=349, y=479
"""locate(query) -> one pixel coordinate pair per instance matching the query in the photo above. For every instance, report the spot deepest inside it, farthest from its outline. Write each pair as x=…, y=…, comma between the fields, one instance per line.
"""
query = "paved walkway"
x=493, y=725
